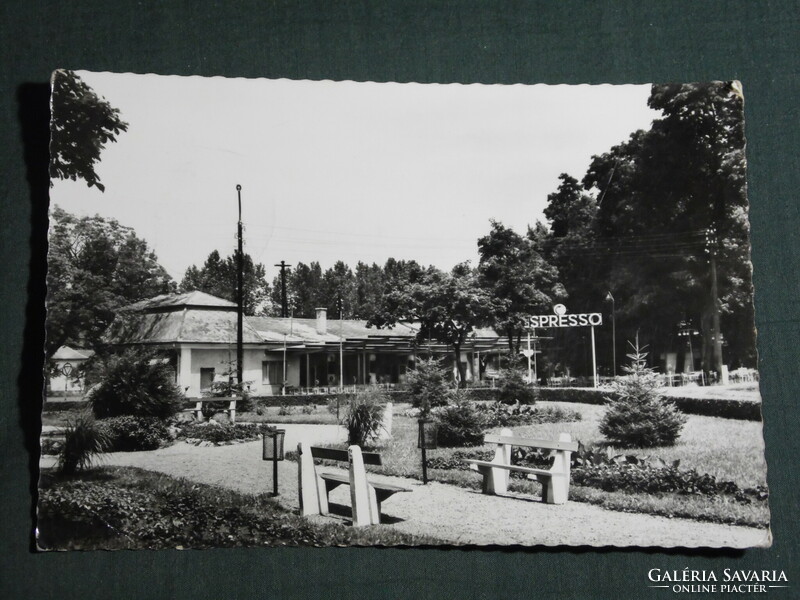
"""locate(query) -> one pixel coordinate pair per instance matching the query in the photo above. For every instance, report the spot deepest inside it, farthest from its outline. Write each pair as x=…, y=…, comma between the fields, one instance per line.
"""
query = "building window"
x=206, y=379
x=272, y=372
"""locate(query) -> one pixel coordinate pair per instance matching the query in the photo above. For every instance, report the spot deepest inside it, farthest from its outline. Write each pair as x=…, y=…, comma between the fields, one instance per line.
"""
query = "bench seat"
x=555, y=480
x=366, y=495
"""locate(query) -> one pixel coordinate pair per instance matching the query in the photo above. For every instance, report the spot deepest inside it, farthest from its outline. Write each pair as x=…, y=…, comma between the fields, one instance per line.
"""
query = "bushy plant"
x=638, y=416
x=135, y=434
x=363, y=416
x=136, y=383
x=513, y=387
x=459, y=424
x=498, y=414
x=84, y=440
x=217, y=433
x=429, y=385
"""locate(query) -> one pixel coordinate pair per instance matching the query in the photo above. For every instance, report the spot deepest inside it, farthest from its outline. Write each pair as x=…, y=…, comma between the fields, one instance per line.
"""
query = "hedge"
x=63, y=405
x=746, y=410
x=396, y=396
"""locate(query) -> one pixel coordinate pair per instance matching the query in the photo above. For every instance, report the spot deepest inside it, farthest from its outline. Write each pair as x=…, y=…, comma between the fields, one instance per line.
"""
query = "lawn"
x=728, y=449
x=129, y=508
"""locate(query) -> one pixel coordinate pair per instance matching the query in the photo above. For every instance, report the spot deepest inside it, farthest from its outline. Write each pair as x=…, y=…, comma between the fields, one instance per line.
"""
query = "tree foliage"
x=639, y=417
x=95, y=266
x=82, y=125
x=135, y=383
x=217, y=277
x=518, y=280
x=659, y=204
x=447, y=306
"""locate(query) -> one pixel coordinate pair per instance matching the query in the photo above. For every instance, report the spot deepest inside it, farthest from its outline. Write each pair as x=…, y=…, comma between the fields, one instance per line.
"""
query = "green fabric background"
x=425, y=41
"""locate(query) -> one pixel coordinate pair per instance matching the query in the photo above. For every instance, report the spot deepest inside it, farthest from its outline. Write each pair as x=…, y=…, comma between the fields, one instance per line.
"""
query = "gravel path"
x=452, y=514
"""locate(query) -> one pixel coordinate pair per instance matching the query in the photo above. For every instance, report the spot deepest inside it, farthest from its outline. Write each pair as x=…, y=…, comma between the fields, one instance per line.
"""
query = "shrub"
x=84, y=440
x=363, y=416
x=216, y=433
x=428, y=385
x=498, y=414
x=460, y=424
x=134, y=434
x=514, y=388
x=51, y=447
x=135, y=384
x=639, y=417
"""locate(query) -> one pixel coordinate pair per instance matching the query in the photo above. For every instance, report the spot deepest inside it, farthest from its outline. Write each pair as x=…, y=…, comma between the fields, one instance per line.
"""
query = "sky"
x=341, y=170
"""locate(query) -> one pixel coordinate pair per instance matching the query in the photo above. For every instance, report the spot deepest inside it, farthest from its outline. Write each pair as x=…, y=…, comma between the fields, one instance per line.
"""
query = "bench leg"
x=494, y=480
x=309, y=485
x=374, y=507
x=359, y=489
x=555, y=488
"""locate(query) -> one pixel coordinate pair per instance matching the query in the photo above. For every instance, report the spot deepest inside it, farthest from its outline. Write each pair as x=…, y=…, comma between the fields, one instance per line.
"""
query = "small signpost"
x=560, y=318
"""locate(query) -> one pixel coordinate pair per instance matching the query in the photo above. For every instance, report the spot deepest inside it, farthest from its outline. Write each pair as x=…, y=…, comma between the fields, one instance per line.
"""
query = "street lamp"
x=66, y=369
x=427, y=440
x=610, y=298
x=272, y=449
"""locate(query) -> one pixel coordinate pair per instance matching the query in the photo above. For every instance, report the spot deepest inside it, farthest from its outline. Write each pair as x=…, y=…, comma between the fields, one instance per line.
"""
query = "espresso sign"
x=562, y=319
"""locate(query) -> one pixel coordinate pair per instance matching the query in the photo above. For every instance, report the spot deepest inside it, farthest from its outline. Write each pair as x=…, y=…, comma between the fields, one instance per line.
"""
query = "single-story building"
x=197, y=334
x=66, y=370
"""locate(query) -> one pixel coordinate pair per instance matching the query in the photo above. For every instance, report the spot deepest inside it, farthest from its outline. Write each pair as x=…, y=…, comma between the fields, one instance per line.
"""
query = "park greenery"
x=646, y=222
x=85, y=124
x=638, y=416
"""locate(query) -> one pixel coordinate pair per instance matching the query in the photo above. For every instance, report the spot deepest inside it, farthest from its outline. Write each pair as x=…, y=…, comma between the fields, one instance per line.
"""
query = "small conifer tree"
x=639, y=417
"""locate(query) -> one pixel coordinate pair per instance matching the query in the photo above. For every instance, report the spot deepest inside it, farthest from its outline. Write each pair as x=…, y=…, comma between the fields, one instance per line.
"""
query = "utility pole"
x=284, y=305
x=239, y=297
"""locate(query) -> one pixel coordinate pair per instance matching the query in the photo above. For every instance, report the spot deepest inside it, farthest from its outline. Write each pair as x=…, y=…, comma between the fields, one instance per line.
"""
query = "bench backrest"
x=369, y=458
x=531, y=443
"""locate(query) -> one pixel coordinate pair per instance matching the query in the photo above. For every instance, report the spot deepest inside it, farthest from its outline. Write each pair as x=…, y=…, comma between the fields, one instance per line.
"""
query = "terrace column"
x=185, y=372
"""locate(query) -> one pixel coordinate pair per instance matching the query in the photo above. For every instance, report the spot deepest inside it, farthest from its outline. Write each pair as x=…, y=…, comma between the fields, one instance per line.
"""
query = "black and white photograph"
x=336, y=313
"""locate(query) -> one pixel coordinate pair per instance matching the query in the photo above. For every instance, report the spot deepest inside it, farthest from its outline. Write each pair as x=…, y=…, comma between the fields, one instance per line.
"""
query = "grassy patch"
x=128, y=508
x=730, y=450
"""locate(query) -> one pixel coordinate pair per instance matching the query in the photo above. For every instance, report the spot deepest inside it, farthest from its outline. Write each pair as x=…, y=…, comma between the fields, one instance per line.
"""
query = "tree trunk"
x=462, y=368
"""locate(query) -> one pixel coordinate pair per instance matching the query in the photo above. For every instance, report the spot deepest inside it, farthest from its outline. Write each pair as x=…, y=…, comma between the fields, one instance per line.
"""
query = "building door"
x=206, y=379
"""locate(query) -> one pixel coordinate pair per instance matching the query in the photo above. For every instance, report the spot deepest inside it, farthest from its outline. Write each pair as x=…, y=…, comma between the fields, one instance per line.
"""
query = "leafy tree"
x=639, y=417
x=369, y=289
x=338, y=291
x=82, y=125
x=429, y=385
x=518, y=280
x=447, y=306
x=95, y=266
x=662, y=190
x=303, y=290
x=217, y=277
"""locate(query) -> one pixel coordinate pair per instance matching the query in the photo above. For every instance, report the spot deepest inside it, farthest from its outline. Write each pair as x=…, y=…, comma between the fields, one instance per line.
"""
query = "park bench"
x=496, y=473
x=199, y=402
x=366, y=496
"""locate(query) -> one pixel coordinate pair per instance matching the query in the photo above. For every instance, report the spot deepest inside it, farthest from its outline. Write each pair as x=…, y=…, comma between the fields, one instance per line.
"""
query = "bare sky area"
x=341, y=170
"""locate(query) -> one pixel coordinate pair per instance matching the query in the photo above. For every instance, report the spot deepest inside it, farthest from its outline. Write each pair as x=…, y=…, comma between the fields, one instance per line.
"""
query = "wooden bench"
x=496, y=473
x=366, y=495
x=198, y=407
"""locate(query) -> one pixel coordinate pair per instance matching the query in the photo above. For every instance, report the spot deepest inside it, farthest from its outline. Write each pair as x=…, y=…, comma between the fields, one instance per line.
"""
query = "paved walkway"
x=452, y=514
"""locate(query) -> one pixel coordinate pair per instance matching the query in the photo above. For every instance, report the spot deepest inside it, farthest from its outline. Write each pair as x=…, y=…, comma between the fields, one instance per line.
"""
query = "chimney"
x=322, y=321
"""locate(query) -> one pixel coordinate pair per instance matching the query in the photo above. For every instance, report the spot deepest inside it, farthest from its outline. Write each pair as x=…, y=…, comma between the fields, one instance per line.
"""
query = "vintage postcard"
x=338, y=313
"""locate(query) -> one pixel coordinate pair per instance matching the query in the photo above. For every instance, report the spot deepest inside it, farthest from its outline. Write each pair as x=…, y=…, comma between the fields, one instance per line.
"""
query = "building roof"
x=68, y=353
x=196, y=317
x=193, y=325
x=167, y=302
